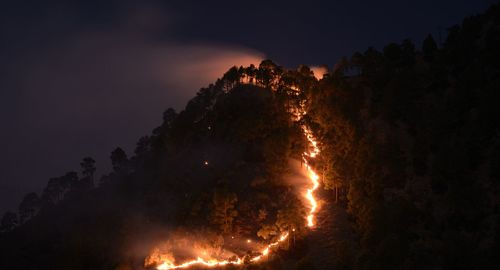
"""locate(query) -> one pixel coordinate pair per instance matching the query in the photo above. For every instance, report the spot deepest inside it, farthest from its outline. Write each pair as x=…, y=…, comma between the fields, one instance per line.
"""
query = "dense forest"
x=410, y=168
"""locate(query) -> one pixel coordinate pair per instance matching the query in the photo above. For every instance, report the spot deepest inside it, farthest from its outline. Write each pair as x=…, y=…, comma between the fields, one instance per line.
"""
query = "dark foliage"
x=410, y=156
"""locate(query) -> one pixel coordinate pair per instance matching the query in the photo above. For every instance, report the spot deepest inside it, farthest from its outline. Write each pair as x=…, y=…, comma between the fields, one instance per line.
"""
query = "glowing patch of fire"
x=312, y=176
x=168, y=264
x=213, y=263
x=199, y=261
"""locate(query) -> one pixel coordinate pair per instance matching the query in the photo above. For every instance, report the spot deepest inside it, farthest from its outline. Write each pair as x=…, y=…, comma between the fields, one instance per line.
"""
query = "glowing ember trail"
x=312, y=176
x=297, y=114
x=213, y=262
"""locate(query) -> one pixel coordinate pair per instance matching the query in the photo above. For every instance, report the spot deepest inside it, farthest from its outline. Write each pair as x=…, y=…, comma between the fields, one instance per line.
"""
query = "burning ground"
x=409, y=157
x=211, y=182
x=198, y=253
x=250, y=234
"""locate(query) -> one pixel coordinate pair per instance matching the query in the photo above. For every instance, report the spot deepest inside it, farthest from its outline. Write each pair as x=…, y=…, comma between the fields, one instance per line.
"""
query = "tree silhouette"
x=250, y=73
x=88, y=170
x=224, y=210
x=9, y=222
x=268, y=73
x=29, y=207
x=143, y=146
x=58, y=187
x=429, y=48
x=409, y=145
x=88, y=167
x=119, y=160
x=169, y=117
x=231, y=78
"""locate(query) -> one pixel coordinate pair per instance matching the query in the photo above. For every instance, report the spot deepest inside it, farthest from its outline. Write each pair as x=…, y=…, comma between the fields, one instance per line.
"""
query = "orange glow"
x=319, y=72
x=313, y=176
x=168, y=262
x=310, y=195
x=199, y=261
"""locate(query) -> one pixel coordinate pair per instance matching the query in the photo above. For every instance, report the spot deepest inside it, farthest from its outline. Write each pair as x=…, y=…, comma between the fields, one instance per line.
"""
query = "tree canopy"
x=409, y=168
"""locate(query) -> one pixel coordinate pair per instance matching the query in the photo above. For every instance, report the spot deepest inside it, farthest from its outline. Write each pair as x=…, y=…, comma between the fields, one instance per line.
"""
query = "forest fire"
x=198, y=261
x=310, y=195
x=312, y=176
x=168, y=262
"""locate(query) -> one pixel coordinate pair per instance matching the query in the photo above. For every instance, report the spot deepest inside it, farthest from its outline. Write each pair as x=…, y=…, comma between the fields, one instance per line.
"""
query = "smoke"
x=86, y=92
x=299, y=178
x=319, y=71
x=297, y=174
x=193, y=244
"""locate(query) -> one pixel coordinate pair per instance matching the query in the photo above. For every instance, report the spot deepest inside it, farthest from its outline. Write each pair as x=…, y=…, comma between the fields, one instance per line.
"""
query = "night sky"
x=79, y=78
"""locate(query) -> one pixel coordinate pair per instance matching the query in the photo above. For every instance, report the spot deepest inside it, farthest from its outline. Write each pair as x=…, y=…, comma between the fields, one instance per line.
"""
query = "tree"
x=267, y=231
x=290, y=218
x=169, y=117
x=231, y=78
x=143, y=146
x=224, y=210
x=268, y=73
x=9, y=222
x=393, y=55
x=119, y=160
x=250, y=73
x=341, y=67
x=58, y=187
x=88, y=167
x=29, y=207
x=429, y=48
x=88, y=170
x=408, y=53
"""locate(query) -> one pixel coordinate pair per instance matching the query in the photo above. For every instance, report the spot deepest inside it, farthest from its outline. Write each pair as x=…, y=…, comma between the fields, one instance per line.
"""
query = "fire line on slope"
x=309, y=195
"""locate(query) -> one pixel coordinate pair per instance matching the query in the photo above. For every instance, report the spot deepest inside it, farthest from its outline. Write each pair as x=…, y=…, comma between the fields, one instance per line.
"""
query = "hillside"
x=409, y=168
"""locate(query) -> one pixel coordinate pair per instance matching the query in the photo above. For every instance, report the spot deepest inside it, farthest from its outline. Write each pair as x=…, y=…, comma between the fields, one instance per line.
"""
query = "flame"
x=168, y=262
x=313, y=176
x=310, y=196
x=199, y=261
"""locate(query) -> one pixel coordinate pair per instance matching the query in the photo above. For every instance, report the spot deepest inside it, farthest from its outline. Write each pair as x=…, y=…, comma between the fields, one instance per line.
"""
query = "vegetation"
x=410, y=151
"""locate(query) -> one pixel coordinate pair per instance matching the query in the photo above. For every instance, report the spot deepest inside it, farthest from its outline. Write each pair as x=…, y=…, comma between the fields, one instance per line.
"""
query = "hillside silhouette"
x=409, y=166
